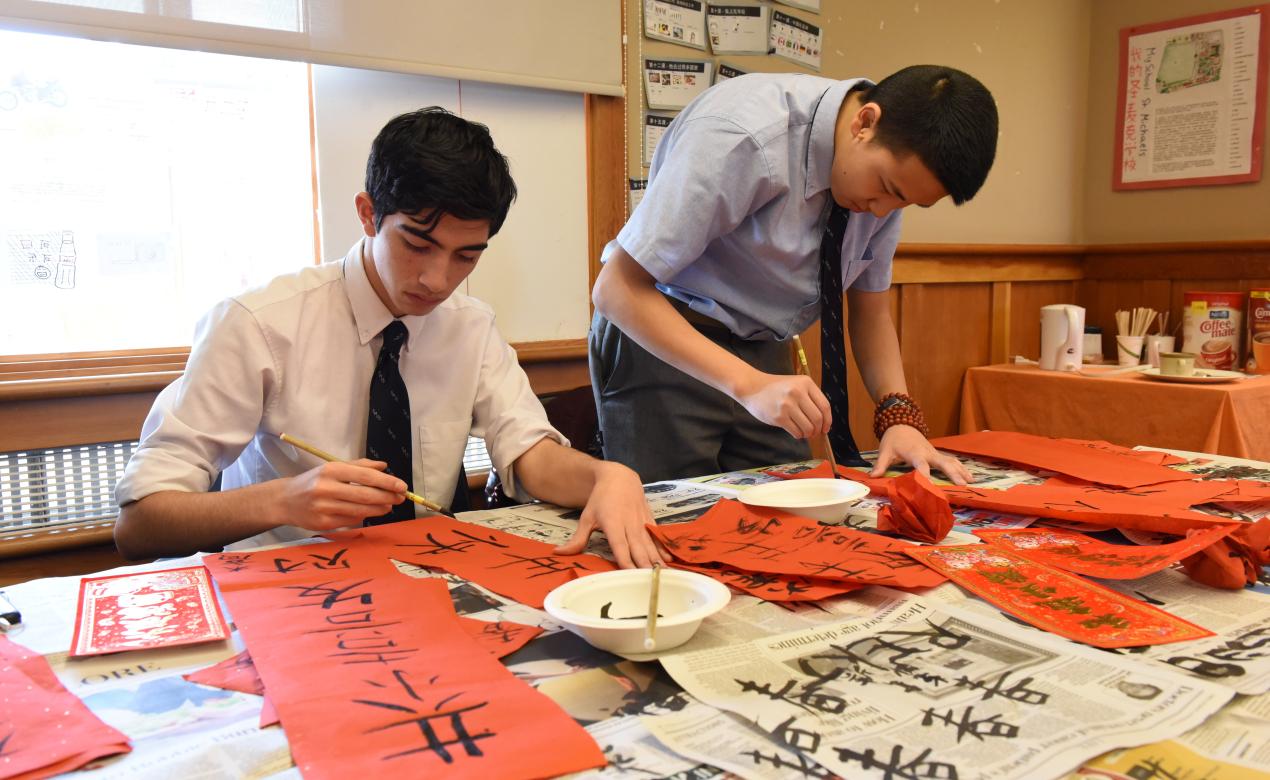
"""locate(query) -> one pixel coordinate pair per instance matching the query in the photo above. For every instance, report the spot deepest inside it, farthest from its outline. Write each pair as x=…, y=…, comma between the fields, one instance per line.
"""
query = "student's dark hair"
x=433, y=162
x=945, y=117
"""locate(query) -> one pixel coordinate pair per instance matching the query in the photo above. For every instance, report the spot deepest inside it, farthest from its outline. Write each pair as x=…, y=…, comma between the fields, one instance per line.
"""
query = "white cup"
x=1129, y=350
x=1157, y=344
x=1062, y=337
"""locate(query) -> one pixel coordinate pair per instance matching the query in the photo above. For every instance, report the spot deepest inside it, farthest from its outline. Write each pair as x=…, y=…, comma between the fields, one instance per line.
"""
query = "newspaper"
x=724, y=740
x=931, y=691
x=633, y=751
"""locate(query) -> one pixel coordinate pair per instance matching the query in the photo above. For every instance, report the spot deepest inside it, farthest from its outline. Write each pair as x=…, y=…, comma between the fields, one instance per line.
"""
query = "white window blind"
x=570, y=45
x=60, y=488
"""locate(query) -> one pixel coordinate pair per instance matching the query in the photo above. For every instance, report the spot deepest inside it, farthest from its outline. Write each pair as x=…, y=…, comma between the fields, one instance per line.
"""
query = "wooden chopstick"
x=328, y=457
x=802, y=361
x=650, y=628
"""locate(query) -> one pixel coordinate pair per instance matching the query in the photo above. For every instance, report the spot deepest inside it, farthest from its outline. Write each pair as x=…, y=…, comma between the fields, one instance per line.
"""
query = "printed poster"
x=738, y=29
x=806, y=5
x=654, y=128
x=795, y=40
x=672, y=84
x=677, y=21
x=637, y=187
x=1191, y=101
x=727, y=71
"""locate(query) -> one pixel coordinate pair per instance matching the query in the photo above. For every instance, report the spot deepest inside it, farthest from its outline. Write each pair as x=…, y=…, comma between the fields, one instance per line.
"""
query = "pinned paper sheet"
x=1064, y=456
x=45, y=730
x=1054, y=600
x=775, y=542
x=1090, y=557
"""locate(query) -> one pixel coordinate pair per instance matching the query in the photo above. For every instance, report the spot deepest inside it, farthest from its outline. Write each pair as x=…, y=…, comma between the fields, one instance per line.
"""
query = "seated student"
x=375, y=354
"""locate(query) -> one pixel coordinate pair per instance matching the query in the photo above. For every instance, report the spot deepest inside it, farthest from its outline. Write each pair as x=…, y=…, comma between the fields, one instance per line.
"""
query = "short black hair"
x=433, y=161
x=944, y=116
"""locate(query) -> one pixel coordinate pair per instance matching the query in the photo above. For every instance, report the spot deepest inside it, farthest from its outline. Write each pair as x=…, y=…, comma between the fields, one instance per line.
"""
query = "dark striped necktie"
x=833, y=354
x=388, y=436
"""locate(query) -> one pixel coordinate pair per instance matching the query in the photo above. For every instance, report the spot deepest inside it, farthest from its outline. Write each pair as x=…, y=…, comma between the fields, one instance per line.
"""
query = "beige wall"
x=1228, y=212
x=1032, y=54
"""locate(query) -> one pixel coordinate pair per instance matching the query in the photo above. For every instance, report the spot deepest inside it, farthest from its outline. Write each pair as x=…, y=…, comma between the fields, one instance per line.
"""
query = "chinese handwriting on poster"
x=1191, y=101
x=672, y=84
x=738, y=29
x=654, y=128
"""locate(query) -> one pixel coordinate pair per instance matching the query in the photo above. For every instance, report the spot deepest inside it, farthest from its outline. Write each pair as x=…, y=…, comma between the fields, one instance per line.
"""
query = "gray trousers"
x=664, y=424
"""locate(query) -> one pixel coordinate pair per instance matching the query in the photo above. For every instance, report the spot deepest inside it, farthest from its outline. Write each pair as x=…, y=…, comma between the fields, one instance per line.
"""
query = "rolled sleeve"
x=506, y=413
x=201, y=422
x=708, y=176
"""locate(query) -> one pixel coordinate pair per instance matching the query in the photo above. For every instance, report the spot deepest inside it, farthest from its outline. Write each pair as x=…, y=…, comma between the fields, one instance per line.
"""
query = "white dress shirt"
x=296, y=357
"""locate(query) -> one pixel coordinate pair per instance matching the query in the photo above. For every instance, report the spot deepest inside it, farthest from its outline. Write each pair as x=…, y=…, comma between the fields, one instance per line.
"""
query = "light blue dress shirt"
x=737, y=199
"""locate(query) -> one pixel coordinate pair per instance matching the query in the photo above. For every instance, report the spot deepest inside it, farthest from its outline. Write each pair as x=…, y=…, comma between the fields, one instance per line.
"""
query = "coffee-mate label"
x=1212, y=328
x=1259, y=331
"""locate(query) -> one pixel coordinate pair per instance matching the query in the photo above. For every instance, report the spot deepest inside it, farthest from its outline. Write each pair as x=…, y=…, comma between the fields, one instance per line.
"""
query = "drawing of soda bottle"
x=66, y=263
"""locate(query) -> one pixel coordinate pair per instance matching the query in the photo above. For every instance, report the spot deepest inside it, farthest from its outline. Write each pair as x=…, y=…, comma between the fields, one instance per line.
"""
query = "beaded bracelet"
x=903, y=411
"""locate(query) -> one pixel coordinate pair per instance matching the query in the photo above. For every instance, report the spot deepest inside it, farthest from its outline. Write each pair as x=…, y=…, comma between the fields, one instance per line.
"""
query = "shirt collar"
x=820, y=142
x=370, y=313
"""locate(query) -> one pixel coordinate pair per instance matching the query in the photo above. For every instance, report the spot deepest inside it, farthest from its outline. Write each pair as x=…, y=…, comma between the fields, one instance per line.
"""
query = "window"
x=141, y=186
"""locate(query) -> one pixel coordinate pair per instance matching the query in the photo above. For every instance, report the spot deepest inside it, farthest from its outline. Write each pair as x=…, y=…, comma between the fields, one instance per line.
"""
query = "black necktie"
x=388, y=436
x=833, y=355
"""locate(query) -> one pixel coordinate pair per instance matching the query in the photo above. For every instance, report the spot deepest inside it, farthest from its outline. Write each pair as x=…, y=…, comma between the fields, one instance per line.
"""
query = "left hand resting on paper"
x=904, y=443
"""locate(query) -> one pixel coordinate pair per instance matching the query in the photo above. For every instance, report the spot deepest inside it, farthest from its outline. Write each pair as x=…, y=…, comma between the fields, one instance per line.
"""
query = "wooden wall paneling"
x=1026, y=300
x=999, y=330
x=945, y=329
x=606, y=175
x=59, y=422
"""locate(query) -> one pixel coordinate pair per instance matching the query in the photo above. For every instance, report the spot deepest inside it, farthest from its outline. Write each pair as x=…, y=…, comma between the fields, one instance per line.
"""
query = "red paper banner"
x=1147, y=456
x=521, y=569
x=45, y=730
x=1064, y=456
x=772, y=587
x=774, y=542
x=146, y=610
x=1054, y=600
x=1090, y=557
x=376, y=673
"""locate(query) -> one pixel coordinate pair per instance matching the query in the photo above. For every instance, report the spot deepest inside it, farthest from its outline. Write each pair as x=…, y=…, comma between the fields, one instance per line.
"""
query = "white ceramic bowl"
x=684, y=599
x=826, y=500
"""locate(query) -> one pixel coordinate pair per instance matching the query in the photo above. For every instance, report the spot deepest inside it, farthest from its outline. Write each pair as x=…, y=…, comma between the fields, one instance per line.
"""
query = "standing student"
x=768, y=196
x=376, y=354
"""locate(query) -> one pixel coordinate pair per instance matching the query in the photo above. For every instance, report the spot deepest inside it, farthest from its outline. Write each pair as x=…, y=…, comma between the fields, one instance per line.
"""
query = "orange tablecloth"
x=1128, y=409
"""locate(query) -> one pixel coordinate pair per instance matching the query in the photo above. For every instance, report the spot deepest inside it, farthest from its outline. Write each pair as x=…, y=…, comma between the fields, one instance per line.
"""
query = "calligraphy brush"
x=802, y=361
x=651, y=627
x=329, y=458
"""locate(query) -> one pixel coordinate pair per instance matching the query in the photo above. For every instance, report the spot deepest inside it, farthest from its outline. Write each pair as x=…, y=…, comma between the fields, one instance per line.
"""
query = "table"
x=1128, y=409
x=179, y=729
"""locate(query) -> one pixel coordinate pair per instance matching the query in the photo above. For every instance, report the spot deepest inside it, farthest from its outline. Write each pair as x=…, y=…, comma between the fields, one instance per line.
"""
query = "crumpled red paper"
x=1234, y=561
x=918, y=510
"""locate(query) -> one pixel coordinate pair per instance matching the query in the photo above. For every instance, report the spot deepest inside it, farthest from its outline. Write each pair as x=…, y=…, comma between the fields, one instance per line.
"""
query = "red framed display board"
x=1190, y=105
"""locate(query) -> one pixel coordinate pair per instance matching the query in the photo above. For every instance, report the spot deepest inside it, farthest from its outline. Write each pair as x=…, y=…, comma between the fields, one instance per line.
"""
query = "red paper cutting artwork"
x=1092, y=464
x=146, y=610
x=513, y=566
x=1090, y=557
x=376, y=674
x=772, y=587
x=775, y=542
x=45, y=730
x=1054, y=600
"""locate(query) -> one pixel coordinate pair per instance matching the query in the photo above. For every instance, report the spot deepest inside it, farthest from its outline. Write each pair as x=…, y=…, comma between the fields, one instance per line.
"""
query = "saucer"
x=1202, y=376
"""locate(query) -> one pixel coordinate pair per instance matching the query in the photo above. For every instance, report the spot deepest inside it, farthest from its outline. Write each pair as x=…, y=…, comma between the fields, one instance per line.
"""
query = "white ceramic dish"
x=1202, y=376
x=826, y=500
x=610, y=609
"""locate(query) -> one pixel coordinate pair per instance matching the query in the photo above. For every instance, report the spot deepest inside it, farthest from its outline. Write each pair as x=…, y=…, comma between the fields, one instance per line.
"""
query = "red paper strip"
x=146, y=610
x=45, y=729
x=499, y=638
x=376, y=674
x=232, y=674
x=1054, y=600
x=772, y=587
x=917, y=509
x=513, y=566
x=878, y=486
x=1092, y=464
x=774, y=542
x=1090, y=557
x=1154, y=457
